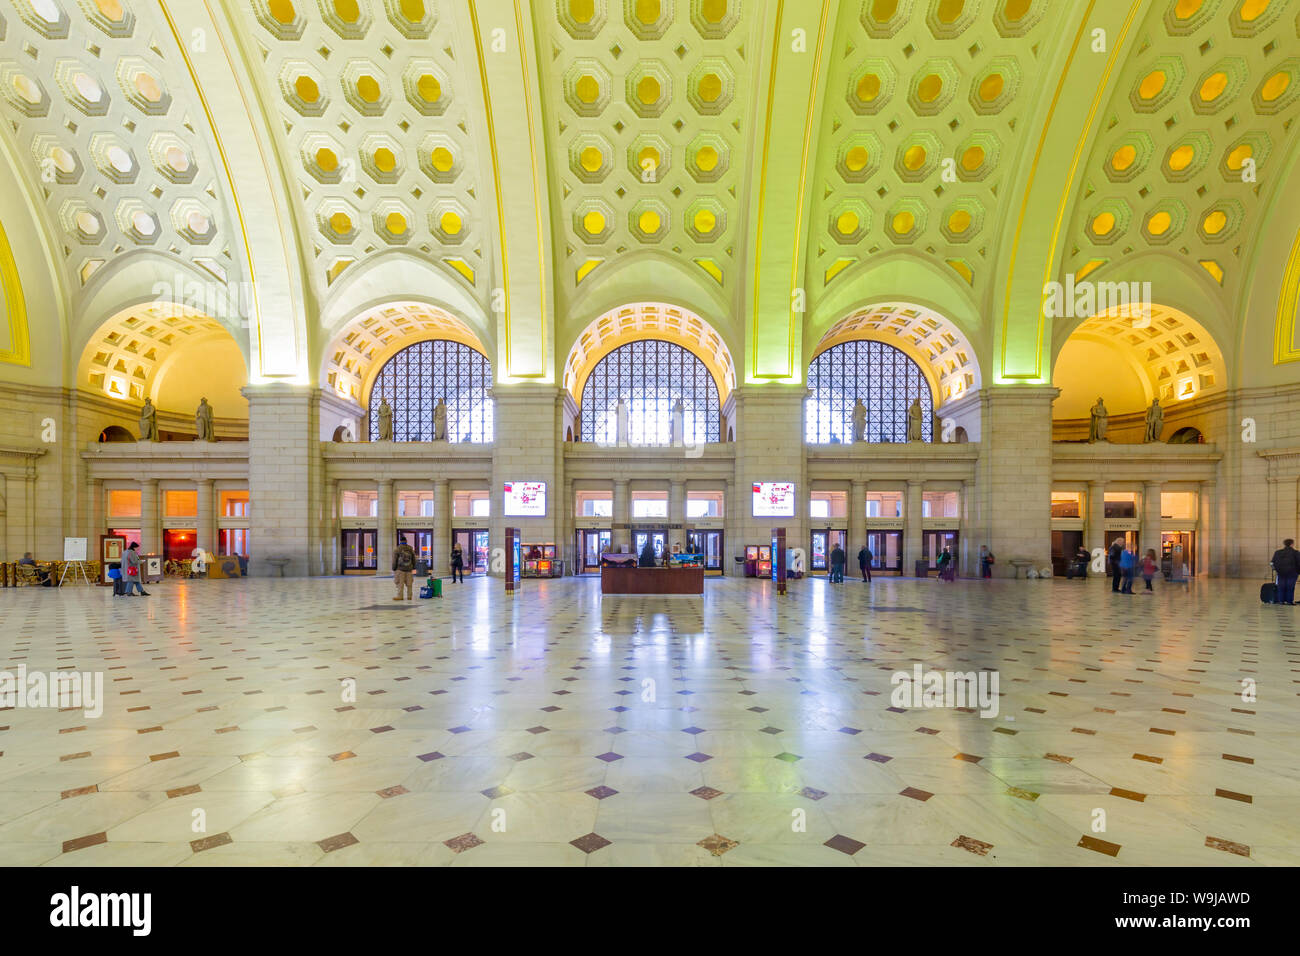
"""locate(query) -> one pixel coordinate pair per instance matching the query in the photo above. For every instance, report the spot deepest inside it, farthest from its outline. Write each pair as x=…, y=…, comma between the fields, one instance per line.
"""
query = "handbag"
x=132, y=570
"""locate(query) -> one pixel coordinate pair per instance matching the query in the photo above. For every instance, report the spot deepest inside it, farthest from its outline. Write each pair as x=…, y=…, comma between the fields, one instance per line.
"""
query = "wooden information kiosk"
x=621, y=576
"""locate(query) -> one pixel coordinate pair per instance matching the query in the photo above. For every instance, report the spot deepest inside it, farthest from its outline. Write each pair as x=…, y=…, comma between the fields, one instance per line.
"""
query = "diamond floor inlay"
x=281, y=722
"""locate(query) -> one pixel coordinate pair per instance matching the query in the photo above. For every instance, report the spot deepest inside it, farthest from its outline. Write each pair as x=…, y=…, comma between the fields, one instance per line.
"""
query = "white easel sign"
x=74, y=549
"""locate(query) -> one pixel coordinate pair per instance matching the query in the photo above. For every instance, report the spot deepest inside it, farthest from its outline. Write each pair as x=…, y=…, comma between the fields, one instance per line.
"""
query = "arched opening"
x=650, y=381
x=651, y=355
x=1187, y=436
x=883, y=378
x=115, y=433
x=1129, y=357
x=365, y=343
x=175, y=357
x=417, y=378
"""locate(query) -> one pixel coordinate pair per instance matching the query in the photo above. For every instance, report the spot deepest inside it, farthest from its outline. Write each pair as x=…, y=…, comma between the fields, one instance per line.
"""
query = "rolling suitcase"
x=1268, y=592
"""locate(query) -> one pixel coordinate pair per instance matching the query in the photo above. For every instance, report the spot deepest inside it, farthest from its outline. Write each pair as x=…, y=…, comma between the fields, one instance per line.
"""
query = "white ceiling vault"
x=337, y=157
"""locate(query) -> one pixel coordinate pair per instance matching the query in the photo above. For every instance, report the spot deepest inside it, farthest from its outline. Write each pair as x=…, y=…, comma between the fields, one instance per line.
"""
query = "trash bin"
x=421, y=568
x=437, y=587
x=922, y=568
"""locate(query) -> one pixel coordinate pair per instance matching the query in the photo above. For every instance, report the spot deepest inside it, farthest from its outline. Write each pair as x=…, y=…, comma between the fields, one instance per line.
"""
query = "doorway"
x=823, y=543
x=933, y=543
x=709, y=544
x=1065, y=546
x=1130, y=540
x=592, y=543
x=474, y=546
x=421, y=541
x=657, y=539
x=886, y=551
x=1178, y=547
x=359, y=556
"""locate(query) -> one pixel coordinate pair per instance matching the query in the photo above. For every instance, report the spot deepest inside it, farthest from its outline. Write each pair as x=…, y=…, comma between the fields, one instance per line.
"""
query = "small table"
x=278, y=564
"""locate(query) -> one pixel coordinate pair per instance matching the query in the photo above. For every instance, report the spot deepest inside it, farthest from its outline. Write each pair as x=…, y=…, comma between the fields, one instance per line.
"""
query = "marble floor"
x=317, y=722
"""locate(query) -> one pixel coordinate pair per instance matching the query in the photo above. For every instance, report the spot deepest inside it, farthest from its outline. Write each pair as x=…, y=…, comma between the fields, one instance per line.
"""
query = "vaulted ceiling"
x=393, y=131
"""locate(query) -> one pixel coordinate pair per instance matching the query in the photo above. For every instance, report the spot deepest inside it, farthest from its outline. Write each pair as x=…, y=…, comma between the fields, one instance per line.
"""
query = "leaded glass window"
x=650, y=376
x=415, y=378
x=886, y=380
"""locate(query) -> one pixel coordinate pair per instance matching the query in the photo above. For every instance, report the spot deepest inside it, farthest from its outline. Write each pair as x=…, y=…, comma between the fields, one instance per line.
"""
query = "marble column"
x=150, y=524
x=676, y=513
x=621, y=537
x=98, y=522
x=567, y=546
x=441, y=526
x=731, y=543
x=1095, y=534
x=912, y=525
x=333, y=531
x=205, y=533
x=1208, y=559
x=387, y=528
x=1149, y=536
x=857, y=519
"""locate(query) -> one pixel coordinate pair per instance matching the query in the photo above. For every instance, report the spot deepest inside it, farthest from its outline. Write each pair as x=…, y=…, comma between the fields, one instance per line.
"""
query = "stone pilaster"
x=387, y=537
x=770, y=447
x=206, y=532
x=441, y=526
x=1014, y=475
x=912, y=525
x=528, y=446
x=1149, y=536
x=857, y=519
x=283, y=462
x=1095, y=535
x=150, y=521
x=621, y=538
x=331, y=543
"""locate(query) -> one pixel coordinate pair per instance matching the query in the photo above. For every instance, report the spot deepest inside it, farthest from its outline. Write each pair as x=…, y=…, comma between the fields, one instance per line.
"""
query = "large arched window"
x=886, y=380
x=415, y=378
x=650, y=376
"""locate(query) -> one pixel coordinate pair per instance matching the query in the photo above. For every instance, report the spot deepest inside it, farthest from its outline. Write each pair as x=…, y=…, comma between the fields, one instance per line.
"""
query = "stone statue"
x=621, y=423
x=1155, y=421
x=936, y=427
x=677, y=430
x=915, y=416
x=148, y=422
x=1098, y=423
x=440, y=421
x=203, y=422
x=859, y=421
x=385, y=420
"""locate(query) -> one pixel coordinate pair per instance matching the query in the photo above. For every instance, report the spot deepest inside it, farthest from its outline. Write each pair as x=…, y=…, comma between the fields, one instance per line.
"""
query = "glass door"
x=657, y=540
x=359, y=555
x=886, y=551
x=481, y=552
x=819, y=552
x=421, y=541
x=933, y=543
x=591, y=545
x=1180, y=547
x=709, y=544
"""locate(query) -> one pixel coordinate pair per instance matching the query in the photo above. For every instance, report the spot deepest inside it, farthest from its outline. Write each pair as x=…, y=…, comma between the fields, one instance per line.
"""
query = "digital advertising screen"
x=525, y=499
x=774, y=499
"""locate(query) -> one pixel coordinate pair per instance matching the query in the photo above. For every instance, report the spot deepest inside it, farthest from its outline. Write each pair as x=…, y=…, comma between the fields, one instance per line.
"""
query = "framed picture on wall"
x=111, y=547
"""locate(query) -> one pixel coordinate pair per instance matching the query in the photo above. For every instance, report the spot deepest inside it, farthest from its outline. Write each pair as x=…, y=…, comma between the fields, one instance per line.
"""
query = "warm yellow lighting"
x=385, y=161
x=591, y=159
x=929, y=88
x=442, y=159
x=648, y=90
x=959, y=221
x=1214, y=222
x=710, y=87
x=1159, y=223
x=307, y=89
x=972, y=159
x=903, y=222
x=450, y=223
x=1181, y=158
x=868, y=87
x=368, y=88
x=1103, y=223
x=587, y=88
x=429, y=88
x=594, y=223
x=991, y=87
x=1238, y=156
x=1152, y=84
x=1213, y=87
x=649, y=221
x=341, y=223
x=705, y=221
x=847, y=223
x=706, y=159
x=1275, y=86
x=395, y=223
x=326, y=160
x=914, y=158
x=1123, y=158
x=856, y=159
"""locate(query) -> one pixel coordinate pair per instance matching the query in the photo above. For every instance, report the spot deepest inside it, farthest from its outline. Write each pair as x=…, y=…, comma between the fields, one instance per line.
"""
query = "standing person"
x=838, y=560
x=1115, y=554
x=1286, y=562
x=457, y=563
x=986, y=561
x=944, y=565
x=403, y=568
x=864, y=562
x=1149, y=569
x=1127, y=565
x=131, y=565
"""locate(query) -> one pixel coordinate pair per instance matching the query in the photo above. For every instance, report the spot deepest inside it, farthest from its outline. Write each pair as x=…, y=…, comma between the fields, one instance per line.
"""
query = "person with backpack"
x=457, y=563
x=986, y=561
x=946, y=568
x=1286, y=564
x=1149, y=568
x=1127, y=566
x=864, y=562
x=1115, y=555
x=403, y=569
